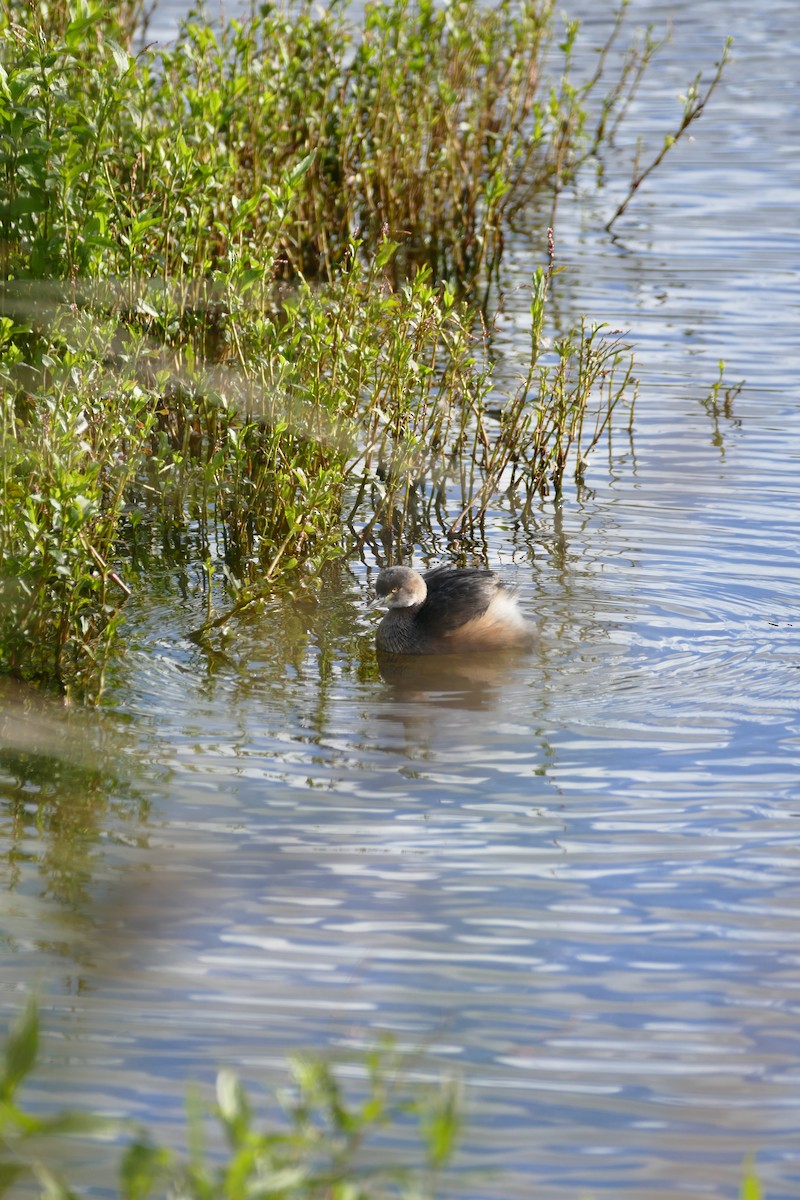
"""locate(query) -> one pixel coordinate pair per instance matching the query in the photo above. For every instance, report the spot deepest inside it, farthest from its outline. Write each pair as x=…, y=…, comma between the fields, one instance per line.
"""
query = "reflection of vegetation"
x=315, y=1149
x=58, y=784
x=154, y=380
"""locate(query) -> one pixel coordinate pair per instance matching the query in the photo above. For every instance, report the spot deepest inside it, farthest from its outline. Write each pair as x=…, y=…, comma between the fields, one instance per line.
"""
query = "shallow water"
x=571, y=876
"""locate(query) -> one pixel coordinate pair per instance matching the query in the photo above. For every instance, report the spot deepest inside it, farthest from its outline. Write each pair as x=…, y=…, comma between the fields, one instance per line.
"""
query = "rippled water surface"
x=573, y=877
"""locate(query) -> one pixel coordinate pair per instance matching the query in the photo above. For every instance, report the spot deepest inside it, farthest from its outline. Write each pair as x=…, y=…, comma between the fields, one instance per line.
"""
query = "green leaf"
x=31, y=202
x=299, y=171
x=122, y=60
x=77, y=27
x=280, y=1182
x=146, y=309
x=441, y=1126
x=139, y=225
x=386, y=252
x=751, y=1188
x=20, y=1050
x=9, y=1174
x=233, y=1107
x=52, y=1187
x=251, y=276
x=141, y=1166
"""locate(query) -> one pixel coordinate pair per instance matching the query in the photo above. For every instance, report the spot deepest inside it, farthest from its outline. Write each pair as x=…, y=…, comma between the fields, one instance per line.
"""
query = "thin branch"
x=693, y=108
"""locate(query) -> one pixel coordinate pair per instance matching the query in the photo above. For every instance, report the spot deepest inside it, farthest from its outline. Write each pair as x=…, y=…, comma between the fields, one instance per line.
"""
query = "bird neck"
x=396, y=632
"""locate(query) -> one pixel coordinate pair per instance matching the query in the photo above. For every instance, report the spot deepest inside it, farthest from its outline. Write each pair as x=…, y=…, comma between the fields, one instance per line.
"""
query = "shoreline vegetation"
x=248, y=290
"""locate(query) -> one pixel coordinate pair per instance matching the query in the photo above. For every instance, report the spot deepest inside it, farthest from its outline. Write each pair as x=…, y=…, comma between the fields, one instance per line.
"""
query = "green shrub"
x=70, y=445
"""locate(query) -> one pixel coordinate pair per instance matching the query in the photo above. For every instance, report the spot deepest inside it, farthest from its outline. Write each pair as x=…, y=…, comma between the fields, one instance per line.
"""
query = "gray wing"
x=455, y=596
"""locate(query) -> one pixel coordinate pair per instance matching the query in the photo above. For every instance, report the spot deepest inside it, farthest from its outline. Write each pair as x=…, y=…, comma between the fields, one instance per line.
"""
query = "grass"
x=246, y=295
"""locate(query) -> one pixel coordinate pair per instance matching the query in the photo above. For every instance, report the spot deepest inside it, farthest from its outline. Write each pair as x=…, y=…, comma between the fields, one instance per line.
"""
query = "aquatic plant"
x=694, y=102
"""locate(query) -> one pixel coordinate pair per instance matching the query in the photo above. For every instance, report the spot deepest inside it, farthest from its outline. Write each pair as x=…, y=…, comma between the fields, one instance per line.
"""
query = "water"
x=572, y=877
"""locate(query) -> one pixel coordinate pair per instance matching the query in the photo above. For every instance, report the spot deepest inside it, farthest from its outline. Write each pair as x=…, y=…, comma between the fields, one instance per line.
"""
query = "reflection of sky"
x=575, y=875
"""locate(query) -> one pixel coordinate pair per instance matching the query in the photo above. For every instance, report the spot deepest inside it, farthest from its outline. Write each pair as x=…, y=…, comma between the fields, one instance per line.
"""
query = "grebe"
x=447, y=609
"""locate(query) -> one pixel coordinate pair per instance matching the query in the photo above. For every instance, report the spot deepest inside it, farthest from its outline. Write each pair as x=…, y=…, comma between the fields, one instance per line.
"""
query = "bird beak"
x=376, y=603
